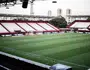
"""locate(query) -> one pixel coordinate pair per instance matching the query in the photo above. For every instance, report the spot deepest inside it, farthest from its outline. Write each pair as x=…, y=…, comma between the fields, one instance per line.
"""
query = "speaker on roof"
x=25, y=4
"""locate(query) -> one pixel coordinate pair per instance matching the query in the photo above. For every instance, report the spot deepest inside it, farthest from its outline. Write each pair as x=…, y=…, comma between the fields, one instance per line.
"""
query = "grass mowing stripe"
x=30, y=40
x=35, y=49
x=62, y=47
x=80, y=59
x=36, y=37
x=42, y=46
x=48, y=48
x=69, y=53
x=23, y=42
x=39, y=45
x=42, y=59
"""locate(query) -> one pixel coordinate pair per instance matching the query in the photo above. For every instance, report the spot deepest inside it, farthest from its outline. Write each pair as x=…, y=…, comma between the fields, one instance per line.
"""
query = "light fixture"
x=54, y=1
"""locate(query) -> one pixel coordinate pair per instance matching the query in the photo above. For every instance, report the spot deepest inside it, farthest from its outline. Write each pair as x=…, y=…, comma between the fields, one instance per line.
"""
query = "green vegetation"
x=88, y=18
x=72, y=49
x=59, y=22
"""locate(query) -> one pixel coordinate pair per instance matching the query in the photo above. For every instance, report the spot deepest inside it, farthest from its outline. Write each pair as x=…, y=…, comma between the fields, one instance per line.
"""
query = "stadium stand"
x=3, y=30
x=36, y=26
x=89, y=27
x=13, y=27
x=80, y=26
x=53, y=27
x=44, y=25
x=26, y=27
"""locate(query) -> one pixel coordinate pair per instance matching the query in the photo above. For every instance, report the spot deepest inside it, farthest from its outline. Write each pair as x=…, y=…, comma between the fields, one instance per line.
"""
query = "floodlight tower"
x=31, y=9
x=32, y=3
x=25, y=3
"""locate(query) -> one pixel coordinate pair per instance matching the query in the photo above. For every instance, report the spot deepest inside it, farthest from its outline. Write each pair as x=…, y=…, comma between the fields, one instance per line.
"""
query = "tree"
x=88, y=18
x=59, y=22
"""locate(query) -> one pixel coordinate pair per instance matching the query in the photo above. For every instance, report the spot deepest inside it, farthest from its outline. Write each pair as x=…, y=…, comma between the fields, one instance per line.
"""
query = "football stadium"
x=27, y=43
x=47, y=47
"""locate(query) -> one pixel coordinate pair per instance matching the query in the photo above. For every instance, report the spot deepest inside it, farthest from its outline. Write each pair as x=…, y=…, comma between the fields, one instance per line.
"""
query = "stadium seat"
x=12, y=27
x=36, y=26
x=80, y=25
x=2, y=29
x=46, y=26
x=26, y=27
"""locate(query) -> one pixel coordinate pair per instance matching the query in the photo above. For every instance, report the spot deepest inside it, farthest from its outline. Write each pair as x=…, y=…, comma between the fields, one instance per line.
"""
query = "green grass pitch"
x=71, y=49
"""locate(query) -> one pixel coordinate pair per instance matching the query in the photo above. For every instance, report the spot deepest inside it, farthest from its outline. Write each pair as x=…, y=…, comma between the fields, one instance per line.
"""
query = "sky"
x=78, y=7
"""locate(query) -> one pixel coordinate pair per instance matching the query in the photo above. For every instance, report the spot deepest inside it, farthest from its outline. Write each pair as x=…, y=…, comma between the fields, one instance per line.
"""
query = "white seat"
x=53, y=26
x=44, y=25
x=80, y=25
x=3, y=30
x=37, y=27
x=12, y=27
x=26, y=27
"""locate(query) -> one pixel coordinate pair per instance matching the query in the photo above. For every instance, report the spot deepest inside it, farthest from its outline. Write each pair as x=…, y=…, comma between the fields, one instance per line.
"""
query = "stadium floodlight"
x=32, y=3
x=60, y=67
x=54, y=1
x=8, y=3
x=25, y=3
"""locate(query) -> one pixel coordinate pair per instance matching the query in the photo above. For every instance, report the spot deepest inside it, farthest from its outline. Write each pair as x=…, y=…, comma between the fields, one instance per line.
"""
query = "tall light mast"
x=7, y=4
x=31, y=8
x=32, y=3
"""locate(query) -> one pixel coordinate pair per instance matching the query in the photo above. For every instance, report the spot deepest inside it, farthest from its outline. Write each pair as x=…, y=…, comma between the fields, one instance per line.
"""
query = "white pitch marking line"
x=4, y=67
